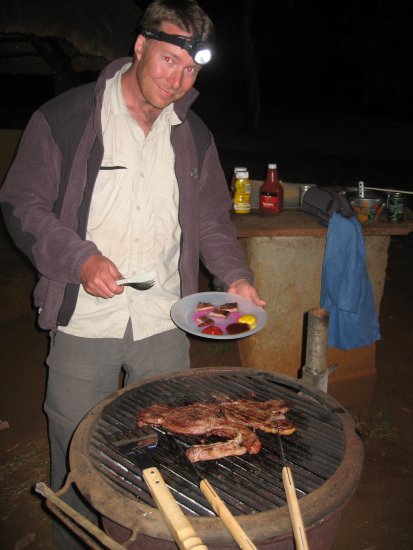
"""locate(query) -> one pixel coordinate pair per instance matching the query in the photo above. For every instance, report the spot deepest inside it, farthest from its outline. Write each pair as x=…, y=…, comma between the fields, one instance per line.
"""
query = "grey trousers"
x=84, y=371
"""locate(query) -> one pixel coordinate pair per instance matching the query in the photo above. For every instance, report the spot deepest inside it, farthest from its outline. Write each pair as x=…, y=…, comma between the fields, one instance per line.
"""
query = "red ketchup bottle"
x=271, y=193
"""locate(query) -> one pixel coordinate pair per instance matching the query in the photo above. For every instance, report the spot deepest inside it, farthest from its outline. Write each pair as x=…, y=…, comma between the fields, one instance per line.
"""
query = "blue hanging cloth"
x=346, y=288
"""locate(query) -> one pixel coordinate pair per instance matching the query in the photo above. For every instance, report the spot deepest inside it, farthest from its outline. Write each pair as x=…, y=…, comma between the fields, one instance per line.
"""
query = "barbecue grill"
x=325, y=455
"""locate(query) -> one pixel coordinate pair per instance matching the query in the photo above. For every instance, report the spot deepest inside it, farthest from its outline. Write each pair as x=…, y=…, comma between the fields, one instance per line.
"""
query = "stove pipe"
x=315, y=372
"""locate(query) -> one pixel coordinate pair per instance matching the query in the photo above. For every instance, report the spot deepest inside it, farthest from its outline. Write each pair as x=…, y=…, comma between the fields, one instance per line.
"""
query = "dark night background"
x=299, y=66
x=336, y=76
x=353, y=56
x=348, y=55
x=292, y=64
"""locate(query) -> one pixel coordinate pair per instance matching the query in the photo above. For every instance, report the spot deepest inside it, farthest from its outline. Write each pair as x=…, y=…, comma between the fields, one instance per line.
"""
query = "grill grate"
x=247, y=483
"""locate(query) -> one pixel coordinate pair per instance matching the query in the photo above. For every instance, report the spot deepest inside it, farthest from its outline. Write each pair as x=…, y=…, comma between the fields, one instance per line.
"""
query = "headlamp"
x=198, y=50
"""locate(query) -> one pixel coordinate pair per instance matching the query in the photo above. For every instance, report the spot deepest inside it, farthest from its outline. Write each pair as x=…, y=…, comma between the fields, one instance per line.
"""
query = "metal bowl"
x=368, y=209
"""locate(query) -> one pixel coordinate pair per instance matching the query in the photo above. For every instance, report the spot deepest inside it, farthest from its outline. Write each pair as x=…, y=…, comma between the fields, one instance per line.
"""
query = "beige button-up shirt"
x=134, y=222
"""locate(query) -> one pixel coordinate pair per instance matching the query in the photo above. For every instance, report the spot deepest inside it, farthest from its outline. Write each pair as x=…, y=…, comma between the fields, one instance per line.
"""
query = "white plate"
x=183, y=313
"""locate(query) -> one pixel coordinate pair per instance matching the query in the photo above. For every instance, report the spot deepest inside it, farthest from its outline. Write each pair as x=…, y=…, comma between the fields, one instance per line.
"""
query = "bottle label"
x=269, y=202
x=242, y=208
x=242, y=195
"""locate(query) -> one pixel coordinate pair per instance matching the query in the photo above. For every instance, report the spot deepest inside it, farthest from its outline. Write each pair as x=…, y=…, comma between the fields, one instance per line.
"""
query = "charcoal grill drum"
x=325, y=455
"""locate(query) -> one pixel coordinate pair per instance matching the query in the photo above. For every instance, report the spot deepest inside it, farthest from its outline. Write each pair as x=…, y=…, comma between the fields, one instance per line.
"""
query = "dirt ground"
x=378, y=517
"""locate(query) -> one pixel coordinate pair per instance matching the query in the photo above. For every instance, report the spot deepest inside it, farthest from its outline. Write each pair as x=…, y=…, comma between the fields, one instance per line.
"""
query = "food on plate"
x=219, y=312
x=212, y=329
x=230, y=306
x=227, y=317
x=237, y=328
x=204, y=306
x=207, y=314
x=235, y=421
x=204, y=321
x=249, y=319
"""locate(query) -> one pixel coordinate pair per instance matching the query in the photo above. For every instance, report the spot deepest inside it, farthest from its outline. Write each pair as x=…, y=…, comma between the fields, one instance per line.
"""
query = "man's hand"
x=98, y=276
x=245, y=289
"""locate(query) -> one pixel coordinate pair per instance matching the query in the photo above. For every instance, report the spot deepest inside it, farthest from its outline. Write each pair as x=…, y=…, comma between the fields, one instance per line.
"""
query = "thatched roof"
x=87, y=32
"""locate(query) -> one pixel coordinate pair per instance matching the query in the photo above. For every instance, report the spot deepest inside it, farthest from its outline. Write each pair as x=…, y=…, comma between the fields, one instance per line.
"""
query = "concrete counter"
x=294, y=223
x=286, y=253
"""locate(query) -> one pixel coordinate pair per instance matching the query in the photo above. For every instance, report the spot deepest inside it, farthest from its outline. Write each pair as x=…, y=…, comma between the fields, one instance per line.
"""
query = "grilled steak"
x=204, y=306
x=194, y=419
x=243, y=441
x=228, y=419
x=218, y=312
x=154, y=415
x=205, y=321
x=267, y=416
x=230, y=306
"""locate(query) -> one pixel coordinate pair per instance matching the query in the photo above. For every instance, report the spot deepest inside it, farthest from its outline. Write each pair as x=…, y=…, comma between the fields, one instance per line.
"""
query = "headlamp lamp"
x=198, y=50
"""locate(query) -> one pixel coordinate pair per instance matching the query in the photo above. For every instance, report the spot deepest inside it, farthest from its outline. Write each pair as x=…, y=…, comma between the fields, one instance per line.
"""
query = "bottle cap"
x=242, y=175
x=240, y=169
x=272, y=166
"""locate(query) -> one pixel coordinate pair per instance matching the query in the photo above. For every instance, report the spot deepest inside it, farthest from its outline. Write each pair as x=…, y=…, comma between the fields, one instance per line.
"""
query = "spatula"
x=218, y=505
x=138, y=448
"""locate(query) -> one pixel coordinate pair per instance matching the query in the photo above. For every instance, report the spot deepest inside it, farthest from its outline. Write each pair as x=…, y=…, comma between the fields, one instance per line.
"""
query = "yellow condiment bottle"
x=242, y=193
x=234, y=176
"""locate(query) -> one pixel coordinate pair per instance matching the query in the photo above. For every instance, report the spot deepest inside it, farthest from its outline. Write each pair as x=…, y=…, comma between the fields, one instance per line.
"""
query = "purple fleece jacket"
x=47, y=193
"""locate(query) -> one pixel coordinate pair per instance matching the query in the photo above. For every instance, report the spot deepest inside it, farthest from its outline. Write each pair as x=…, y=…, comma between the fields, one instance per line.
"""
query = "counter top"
x=295, y=223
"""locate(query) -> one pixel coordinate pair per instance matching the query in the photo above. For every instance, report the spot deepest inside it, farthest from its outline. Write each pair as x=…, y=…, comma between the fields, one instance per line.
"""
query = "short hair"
x=185, y=14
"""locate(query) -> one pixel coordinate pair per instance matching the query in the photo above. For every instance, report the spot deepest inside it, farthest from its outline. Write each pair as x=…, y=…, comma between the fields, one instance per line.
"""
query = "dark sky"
x=353, y=55
x=346, y=54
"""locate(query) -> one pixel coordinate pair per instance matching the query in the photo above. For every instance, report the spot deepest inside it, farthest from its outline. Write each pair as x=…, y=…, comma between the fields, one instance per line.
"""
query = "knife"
x=138, y=448
x=218, y=505
x=300, y=535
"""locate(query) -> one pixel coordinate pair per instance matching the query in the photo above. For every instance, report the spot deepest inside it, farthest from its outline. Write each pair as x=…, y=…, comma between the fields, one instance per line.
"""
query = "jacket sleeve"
x=220, y=250
x=28, y=197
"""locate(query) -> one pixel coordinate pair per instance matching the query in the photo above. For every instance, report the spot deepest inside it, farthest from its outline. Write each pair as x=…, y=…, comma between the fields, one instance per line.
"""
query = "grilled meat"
x=219, y=312
x=154, y=415
x=230, y=306
x=194, y=419
x=229, y=419
x=265, y=416
x=204, y=306
x=205, y=321
x=242, y=441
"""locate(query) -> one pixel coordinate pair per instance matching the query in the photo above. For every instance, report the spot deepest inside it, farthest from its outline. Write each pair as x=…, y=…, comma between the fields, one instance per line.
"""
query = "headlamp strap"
x=191, y=45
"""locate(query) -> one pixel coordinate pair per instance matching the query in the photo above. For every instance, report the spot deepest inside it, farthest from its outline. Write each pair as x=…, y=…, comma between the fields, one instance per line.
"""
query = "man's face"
x=165, y=72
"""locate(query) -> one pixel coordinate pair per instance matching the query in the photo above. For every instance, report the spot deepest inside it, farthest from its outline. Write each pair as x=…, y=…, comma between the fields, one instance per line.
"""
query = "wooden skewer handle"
x=300, y=535
x=221, y=510
x=181, y=528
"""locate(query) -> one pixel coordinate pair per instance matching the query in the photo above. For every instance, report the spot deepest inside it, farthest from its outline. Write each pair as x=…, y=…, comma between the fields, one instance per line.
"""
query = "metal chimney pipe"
x=315, y=371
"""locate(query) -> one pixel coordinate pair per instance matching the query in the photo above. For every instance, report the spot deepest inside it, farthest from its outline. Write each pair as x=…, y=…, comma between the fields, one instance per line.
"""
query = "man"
x=112, y=179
